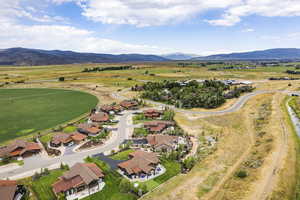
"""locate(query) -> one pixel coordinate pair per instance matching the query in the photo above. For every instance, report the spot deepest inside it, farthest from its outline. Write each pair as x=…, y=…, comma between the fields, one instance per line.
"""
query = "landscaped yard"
x=42, y=187
x=123, y=155
x=112, y=180
x=172, y=169
x=25, y=111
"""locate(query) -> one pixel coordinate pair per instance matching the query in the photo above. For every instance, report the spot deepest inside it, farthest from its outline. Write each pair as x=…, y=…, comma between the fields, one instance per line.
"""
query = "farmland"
x=25, y=111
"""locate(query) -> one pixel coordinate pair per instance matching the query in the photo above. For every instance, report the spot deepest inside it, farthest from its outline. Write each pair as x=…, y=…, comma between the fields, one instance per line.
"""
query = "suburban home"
x=111, y=109
x=82, y=180
x=90, y=129
x=20, y=148
x=66, y=139
x=161, y=142
x=129, y=104
x=152, y=113
x=141, y=166
x=99, y=117
x=158, y=126
x=10, y=190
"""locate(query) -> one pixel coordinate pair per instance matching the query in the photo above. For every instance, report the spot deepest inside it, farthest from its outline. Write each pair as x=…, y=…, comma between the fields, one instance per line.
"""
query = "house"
x=82, y=180
x=142, y=165
x=161, y=142
x=10, y=190
x=90, y=129
x=158, y=126
x=99, y=117
x=152, y=113
x=20, y=148
x=111, y=109
x=67, y=139
x=129, y=104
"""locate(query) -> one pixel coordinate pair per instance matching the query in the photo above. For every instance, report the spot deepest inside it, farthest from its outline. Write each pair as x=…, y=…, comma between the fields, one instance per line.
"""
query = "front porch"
x=159, y=170
x=82, y=193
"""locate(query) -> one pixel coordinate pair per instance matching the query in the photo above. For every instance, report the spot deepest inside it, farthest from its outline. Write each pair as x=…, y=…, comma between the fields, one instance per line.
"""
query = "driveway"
x=112, y=163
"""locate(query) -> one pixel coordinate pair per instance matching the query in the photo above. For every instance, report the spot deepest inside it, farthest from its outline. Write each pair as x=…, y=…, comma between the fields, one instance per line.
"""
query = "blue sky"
x=154, y=27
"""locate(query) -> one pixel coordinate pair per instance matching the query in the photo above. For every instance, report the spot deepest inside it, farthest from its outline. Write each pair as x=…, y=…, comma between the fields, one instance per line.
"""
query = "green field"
x=25, y=111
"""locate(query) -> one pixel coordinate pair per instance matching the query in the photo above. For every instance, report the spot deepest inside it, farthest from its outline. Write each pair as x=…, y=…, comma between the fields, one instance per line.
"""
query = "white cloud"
x=147, y=13
x=13, y=10
x=65, y=38
x=267, y=8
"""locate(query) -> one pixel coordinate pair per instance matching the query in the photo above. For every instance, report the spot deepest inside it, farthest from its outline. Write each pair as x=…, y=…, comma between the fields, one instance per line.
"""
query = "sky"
x=201, y=27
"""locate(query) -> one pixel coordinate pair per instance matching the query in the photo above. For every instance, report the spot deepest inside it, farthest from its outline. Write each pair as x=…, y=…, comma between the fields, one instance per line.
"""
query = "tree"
x=125, y=186
x=242, y=174
x=61, y=79
x=189, y=163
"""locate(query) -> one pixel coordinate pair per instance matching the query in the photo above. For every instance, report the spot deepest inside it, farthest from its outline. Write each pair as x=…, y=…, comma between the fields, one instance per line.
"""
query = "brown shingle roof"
x=129, y=103
x=18, y=148
x=7, y=189
x=100, y=117
x=78, y=137
x=80, y=173
x=157, y=140
x=141, y=162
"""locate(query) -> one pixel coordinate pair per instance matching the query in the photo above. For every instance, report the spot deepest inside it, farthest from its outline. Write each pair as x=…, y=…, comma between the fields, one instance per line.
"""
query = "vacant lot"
x=24, y=111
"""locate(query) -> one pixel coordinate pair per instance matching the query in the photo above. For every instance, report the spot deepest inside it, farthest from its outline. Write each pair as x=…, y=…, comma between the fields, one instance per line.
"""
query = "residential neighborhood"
x=144, y=161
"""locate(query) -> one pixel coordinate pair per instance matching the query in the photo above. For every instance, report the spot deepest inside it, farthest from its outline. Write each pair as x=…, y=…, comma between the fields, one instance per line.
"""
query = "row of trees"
x=209, y=94
x=100, y=69
x=237, y=91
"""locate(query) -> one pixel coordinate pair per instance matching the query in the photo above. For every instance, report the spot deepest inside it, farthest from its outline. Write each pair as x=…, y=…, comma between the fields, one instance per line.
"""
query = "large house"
x=158, y=126
x=90, y=129
x=67, y=139
x=152, y=113
x=161, y=142
x=20, y=148
x=142, y=165
x=129, y=104
x=10, y=190
x=82, y=180
x=99, y=117
x=111, y=109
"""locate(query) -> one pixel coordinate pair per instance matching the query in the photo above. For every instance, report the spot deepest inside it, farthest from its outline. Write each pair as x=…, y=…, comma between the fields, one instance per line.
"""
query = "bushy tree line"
x=209, y=94
x=237, y=91
x=100, y=69
x=292, y=72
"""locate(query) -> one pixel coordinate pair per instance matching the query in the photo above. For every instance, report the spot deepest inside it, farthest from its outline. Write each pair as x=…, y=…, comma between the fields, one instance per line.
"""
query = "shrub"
x=125, y=186
x=242, y=174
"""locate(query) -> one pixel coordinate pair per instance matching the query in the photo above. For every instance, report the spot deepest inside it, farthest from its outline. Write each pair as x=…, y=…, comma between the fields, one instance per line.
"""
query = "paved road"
x=35, y=163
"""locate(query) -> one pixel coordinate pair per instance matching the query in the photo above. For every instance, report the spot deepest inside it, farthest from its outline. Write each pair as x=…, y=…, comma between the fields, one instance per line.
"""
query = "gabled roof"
x=18, y=147
x=141, y=161
x=80, y=173
x=7, y=189
x=159, y=139
x=100, y=117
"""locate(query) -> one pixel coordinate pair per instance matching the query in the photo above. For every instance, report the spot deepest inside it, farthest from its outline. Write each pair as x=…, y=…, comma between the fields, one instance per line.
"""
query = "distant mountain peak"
x=269, y=54
x=179, y=56
x=23, y=56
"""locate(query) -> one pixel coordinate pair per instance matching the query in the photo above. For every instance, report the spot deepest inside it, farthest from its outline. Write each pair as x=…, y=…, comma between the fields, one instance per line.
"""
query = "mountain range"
x=23, y=56
x=270, y=54
x=179, y=56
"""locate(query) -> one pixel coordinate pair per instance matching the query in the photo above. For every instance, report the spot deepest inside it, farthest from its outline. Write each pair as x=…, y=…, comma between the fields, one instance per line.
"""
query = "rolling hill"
x=23, y=56
x=270, y=54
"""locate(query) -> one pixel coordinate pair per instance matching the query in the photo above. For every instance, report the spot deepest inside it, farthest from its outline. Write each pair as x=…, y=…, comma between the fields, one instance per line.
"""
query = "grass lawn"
x=42, y=187
x=173, y=168
x=123, y=155
x=70, y=129
x=112, y=181
x=19, y=162
x=25, y=111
